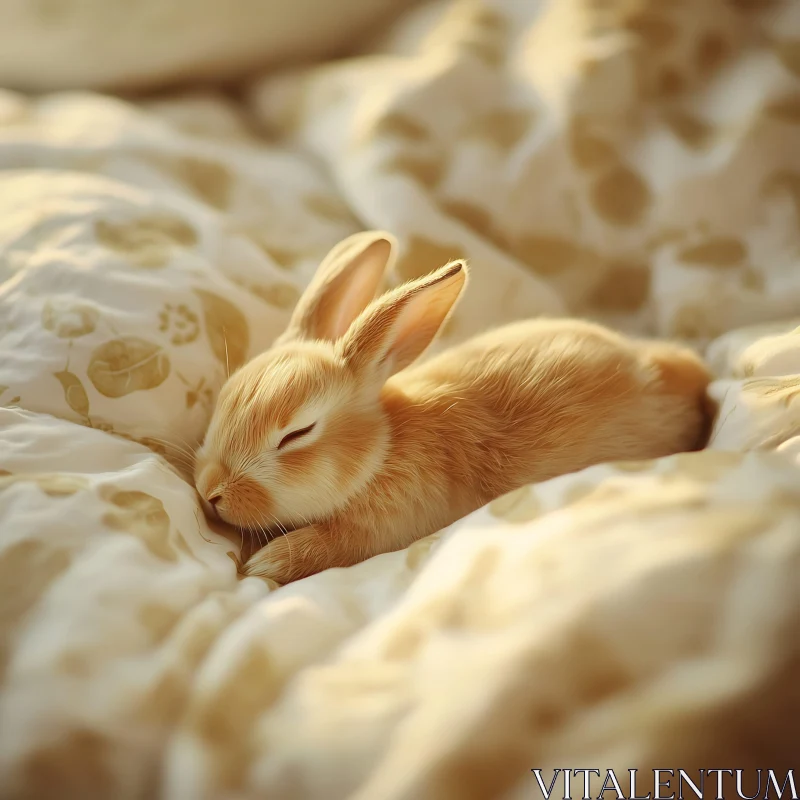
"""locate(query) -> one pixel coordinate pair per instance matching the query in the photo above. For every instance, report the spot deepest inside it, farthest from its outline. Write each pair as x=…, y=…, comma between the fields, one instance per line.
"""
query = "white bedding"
x=640, y=166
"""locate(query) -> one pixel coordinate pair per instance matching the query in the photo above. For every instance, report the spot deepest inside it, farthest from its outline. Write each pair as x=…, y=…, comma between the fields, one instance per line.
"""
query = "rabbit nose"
x=213, y=501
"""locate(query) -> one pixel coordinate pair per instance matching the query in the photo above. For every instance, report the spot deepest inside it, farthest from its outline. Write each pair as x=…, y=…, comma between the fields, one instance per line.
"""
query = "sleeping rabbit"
x=333, y=436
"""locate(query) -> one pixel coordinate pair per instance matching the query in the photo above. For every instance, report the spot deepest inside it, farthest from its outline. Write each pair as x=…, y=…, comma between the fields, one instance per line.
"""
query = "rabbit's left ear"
x=345, y=283
x=397, y=328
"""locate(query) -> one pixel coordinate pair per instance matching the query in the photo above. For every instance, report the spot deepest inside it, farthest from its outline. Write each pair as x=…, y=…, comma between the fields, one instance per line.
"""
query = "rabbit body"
x=419, y=447
x=533, y=400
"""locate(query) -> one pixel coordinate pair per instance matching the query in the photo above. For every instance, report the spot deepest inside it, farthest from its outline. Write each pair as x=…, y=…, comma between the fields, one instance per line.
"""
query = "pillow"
x=115, y=44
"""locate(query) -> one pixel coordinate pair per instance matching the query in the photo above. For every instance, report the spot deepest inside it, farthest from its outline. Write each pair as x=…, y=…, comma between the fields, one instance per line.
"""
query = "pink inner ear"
x=357, y=294
x=352, y=287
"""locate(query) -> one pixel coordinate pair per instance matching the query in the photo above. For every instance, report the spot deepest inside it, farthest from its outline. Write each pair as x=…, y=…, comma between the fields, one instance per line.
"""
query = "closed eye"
x=290, y=437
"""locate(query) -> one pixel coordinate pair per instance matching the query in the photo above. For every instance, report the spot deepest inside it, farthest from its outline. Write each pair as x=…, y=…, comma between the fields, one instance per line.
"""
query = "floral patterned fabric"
x=629, y=160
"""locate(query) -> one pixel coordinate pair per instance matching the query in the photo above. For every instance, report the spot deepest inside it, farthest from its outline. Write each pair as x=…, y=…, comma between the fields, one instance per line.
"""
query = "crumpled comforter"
x=634, y=162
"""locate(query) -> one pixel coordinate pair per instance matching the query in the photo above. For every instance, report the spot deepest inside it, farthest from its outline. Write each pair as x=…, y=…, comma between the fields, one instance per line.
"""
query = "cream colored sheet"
x=639, y=165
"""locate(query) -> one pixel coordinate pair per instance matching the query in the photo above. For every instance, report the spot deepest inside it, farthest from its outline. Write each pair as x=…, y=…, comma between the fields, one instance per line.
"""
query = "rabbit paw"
x=290, y=557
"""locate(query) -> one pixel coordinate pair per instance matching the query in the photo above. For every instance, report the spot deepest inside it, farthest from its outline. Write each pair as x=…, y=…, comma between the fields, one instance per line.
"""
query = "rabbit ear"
x=397, y=328
x=345, y=283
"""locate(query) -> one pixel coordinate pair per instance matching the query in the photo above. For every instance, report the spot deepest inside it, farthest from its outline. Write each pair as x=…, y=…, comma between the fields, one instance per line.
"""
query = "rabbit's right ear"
x=345, y=283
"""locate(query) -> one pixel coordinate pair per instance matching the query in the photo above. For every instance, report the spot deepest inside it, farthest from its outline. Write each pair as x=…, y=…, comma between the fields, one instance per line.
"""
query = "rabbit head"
x=301, y=429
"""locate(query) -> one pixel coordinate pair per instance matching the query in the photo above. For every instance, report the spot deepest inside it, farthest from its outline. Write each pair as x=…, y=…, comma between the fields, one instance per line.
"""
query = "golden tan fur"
x=397, y=453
